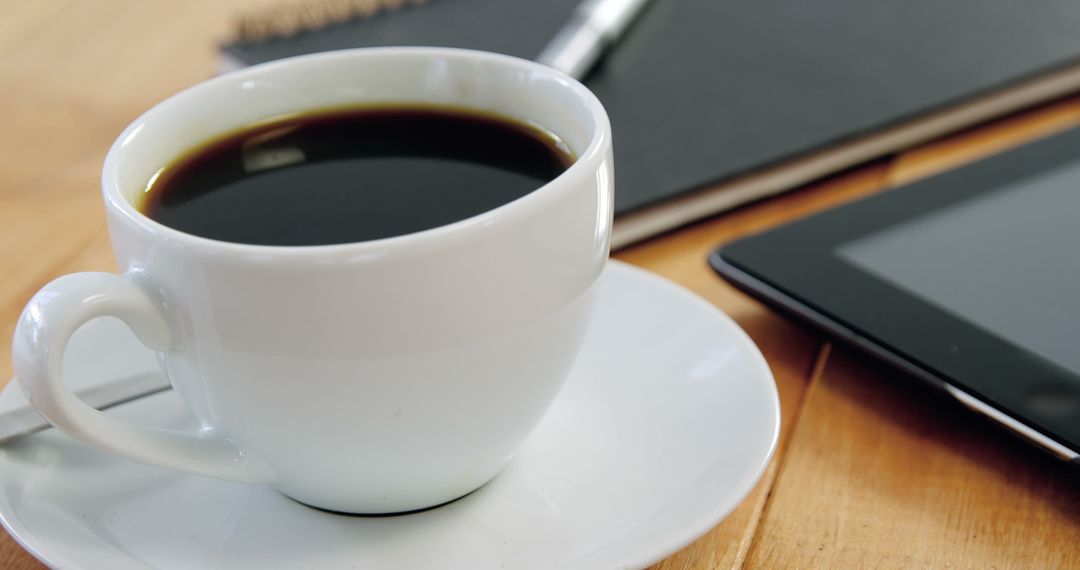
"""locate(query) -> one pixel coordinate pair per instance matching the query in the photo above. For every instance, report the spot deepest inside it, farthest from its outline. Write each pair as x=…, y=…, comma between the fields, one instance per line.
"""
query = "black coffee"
x=352, y=175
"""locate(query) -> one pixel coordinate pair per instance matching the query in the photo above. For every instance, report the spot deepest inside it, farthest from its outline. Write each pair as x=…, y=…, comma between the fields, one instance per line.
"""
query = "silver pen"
x=595, y=25
x=25, y=420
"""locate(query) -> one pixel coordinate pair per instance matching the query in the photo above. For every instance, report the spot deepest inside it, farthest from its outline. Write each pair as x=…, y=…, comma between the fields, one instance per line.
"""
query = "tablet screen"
x=970, y=278
x=1007, y=261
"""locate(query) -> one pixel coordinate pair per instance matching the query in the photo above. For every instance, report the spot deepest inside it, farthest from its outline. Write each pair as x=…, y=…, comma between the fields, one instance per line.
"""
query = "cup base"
x=386, y=514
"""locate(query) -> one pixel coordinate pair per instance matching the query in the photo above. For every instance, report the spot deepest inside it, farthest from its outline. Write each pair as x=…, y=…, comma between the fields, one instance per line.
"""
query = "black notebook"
x=714, y=104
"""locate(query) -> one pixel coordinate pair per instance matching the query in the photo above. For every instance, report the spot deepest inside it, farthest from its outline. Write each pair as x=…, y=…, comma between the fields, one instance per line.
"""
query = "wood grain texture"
x=882, y=473
x=869, y=471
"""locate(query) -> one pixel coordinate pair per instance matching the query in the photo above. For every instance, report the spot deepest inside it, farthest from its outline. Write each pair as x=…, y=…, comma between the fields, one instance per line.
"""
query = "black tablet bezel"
x=799, y=260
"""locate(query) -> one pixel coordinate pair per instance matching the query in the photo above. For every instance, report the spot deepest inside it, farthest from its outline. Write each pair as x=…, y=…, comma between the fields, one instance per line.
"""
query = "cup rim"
x=583, y=167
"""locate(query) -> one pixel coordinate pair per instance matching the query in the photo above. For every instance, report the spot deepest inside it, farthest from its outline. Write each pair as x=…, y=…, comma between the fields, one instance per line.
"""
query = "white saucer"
x=665, y=425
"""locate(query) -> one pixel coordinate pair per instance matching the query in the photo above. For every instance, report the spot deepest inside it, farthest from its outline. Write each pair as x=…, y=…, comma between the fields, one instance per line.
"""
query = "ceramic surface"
x=667, y=420
x=407, y=370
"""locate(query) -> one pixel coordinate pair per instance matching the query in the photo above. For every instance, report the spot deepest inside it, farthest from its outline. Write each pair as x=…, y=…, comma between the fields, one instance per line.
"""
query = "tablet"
x=969, y=280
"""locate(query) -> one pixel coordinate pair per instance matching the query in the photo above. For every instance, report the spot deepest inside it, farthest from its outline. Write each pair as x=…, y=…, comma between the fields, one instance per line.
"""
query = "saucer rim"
x=688, y=532
x=713, y=518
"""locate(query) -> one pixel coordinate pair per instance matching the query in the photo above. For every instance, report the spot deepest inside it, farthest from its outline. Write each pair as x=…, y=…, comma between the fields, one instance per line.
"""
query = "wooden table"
x=871, y=470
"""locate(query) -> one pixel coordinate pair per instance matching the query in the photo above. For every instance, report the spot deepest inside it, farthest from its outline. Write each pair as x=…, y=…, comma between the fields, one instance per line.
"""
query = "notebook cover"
x=700, y=91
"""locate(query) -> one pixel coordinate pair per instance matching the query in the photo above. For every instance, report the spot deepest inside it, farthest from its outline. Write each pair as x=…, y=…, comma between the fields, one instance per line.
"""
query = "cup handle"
x=42, y=334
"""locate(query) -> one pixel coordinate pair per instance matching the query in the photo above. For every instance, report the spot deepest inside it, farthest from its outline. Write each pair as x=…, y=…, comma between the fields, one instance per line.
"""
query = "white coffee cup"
x=371, y=377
